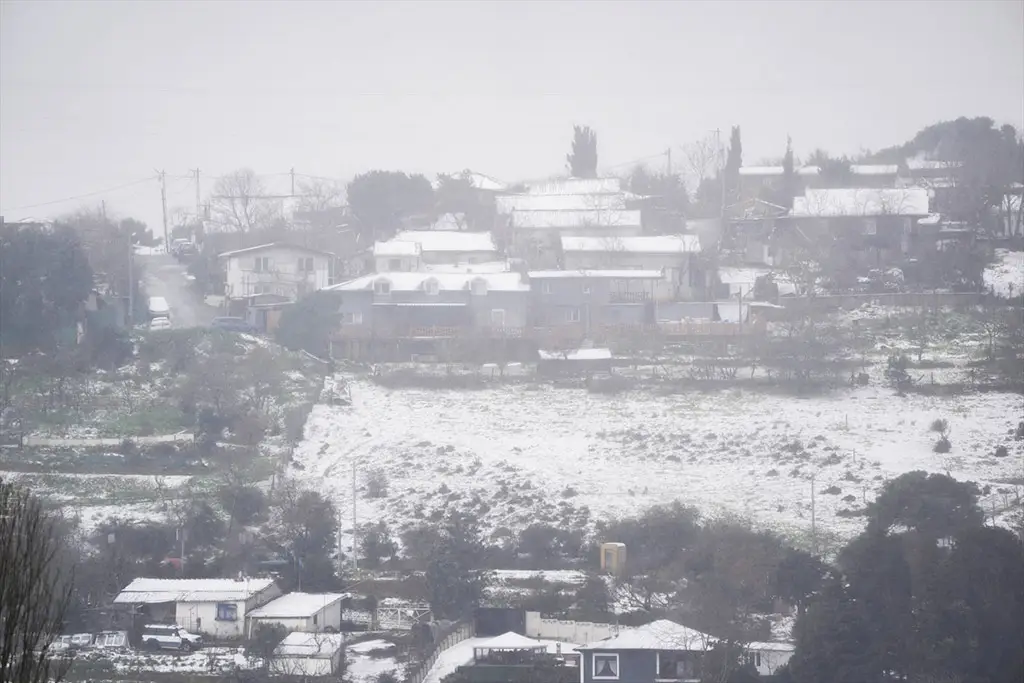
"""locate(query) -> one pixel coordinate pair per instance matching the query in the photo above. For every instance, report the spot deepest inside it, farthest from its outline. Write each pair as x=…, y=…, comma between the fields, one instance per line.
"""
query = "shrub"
x=1002, y=451
x=1019, y=434
x=376, y=484
x=942, y=445
x=128, y=448
x=833, y=490
x=940, y=425
x=295, y=421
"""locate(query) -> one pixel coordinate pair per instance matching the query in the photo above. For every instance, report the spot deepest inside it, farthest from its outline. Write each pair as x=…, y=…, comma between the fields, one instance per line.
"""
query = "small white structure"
x=277, y=268
x=411, y=249
x=301, y=612
x=309, y=654
x=213, y=607
x=767, y=658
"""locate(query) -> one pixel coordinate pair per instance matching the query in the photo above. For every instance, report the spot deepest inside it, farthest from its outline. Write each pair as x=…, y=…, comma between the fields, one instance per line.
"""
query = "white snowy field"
x=516, y=455
x=368, y=659
x=1006, y=275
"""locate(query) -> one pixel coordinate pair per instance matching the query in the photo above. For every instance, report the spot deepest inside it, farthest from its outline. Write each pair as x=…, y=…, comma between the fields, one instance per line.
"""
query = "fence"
x=448, y=637
x=905, y=300
x=568, y=631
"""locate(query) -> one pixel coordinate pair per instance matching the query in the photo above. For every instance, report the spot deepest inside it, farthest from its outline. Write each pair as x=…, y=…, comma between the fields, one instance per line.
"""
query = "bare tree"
x=35, y=589
x=240, y=202
x=703, y=159
x=320, y=194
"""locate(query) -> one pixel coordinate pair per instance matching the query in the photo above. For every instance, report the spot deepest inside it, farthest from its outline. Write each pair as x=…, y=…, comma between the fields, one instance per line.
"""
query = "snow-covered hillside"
x=522, y=454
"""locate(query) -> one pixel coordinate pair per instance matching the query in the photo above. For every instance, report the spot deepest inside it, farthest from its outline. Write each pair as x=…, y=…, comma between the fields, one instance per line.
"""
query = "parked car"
x=160, y=323
x=233, y=325
x=169, y=637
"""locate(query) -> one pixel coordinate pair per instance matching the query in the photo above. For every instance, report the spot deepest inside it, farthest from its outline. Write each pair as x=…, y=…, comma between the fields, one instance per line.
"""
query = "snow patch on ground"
x=369, y=658
x=516, y=455
x=1006, y=276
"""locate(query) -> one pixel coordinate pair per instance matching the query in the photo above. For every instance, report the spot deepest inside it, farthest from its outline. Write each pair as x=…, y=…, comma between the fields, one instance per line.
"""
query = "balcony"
x=629, y=297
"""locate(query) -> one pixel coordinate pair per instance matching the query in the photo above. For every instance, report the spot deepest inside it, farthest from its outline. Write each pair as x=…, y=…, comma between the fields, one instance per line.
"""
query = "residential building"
x=397, y=304
x=878, y=176
x=305, y=612
x=213, y=607
x=660, y=651
x=287, y=270
x=411, y=249
x=757, y=182
x=309, y=654
x=677, y=256
x=582, y=302
x=769, y=657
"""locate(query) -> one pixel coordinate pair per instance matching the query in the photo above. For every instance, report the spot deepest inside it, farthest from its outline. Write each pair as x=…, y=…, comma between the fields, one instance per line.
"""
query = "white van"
x=158, y=307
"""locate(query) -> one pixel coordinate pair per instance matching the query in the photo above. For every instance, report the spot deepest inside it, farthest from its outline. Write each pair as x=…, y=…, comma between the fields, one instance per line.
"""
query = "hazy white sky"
x=98, y=94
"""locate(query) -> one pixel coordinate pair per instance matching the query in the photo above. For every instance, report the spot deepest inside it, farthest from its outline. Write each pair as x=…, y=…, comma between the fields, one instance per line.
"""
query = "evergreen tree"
x=789, y=179
x=455, y=577
x=582, y=159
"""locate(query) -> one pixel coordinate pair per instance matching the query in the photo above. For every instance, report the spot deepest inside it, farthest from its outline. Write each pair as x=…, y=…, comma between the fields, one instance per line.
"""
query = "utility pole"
x=668, y=161
x=721, y=166
x=103, y=209
x=814, y=525
x=293, y=180
x=131, y=279
x=163, y=204
x=199, y=214
x=355, y=530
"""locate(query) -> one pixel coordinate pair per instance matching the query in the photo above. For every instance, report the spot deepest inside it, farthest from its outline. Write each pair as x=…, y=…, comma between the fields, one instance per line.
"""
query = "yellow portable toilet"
x=613, y=558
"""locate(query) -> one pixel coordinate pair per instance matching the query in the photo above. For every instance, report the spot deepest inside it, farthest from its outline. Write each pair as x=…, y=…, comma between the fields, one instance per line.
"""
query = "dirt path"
x=167, y=278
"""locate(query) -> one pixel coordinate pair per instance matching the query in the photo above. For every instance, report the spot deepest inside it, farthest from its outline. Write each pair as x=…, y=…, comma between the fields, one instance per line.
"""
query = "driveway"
x=167, y=278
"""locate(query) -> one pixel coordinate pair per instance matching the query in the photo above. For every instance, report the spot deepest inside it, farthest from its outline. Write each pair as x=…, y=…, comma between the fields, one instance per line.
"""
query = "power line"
x=83, y=196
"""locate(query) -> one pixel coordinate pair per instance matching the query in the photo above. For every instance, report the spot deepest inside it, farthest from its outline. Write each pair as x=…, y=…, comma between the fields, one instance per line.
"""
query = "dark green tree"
x=935, y=505
x=666, y=200
x=733, y=163
x=790, y=184
x=832, y=640
x=308, y=323
x=381, y=200
x=582, y=160
x=377, y=545
x=455, y=194
x=44, y=279
x=455, y=579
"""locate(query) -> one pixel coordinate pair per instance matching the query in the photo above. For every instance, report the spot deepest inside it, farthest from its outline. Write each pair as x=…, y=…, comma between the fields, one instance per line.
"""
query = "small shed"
x=309, y=654
x=301, y=612
x=578, y=362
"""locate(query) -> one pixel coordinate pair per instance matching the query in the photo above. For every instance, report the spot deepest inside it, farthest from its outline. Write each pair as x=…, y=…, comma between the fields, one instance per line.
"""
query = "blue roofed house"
x=660, y=651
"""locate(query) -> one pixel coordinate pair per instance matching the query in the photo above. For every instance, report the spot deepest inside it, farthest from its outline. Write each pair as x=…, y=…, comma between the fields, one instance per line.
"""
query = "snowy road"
x=167, y=278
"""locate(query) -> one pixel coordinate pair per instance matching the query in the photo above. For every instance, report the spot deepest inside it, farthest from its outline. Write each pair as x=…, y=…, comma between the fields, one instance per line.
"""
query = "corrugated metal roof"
x=559, y=202
x=151, y=591
x=658, y=635
x=298, y=605
x=911, y=201
x=642, y=244
x=575, y=219
x=614, y=274
x=411, y=282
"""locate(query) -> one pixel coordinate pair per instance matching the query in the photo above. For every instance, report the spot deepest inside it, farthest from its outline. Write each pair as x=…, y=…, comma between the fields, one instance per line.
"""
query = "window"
x=354, y=318
x=431, y=287
x=676, y=665
x=870, y=226
x=382, y=287
x=497, y=317
x=227, y=611
x=572, y=315
x=395, y=264
x=546, y=287
x=585, y=288
x=478, y=287
x=314, y=620
x=262, y=264
x=606, y=667
x=306, y=264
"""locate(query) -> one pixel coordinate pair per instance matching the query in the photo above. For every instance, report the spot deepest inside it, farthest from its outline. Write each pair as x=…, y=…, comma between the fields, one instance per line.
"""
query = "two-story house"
x=677, y=256
x=581, y=303
x=410, y=250
x=425, y=304
x=286, y=270
x=661, y=651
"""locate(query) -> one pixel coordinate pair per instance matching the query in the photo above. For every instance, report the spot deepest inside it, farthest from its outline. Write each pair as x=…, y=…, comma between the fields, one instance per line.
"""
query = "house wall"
x=441, y=257
x=515, y=304
x=328, y=617
x=477, y=312
x=283, y=276
x=568, y=631
x=553, y=299
x=399, y=264
x=635, y=666
x=201, y=617
x=677, y=267
x=770, y=660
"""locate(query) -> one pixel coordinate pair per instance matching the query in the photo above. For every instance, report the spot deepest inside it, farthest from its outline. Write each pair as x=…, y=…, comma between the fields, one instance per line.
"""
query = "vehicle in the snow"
x=336, y=392
x=158, y=307
x=169, y=637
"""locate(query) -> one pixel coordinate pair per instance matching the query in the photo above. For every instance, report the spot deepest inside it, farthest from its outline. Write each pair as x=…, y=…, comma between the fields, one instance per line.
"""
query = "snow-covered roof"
x=315, y=645
x=808, y=170
x=512, y=641
x=576, y=186
x=154, y=591
x=931, y=165
x=910, y=201
x=771, y=647
x=446, y=240
x=486, y=267
x=274, y=245
x=874, y=169
x=658, y=635
x=615, y=274
x=642, y=244
x=396, y=248
x=729, y=275
x=411, y=282
x=575, y=219
x=560, y=202
x=578, y=354
x=761, y=170
x=297, y=605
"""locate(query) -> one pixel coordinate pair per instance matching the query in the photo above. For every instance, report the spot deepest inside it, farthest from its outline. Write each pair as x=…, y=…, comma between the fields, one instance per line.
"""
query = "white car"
x=169, y=637
x=160, y=323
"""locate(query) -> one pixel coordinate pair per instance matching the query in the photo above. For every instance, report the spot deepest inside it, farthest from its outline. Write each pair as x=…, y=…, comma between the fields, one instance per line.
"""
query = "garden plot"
x=516, y=455
x=92, y=664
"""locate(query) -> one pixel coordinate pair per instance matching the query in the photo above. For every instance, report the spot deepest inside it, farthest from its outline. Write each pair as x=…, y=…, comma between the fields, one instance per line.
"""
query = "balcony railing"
x=629, y=297
x=427, y=332
x=554, y=334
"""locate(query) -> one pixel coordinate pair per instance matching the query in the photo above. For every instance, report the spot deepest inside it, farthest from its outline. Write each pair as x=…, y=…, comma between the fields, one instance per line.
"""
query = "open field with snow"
x=516, y=455
x=1006, y=276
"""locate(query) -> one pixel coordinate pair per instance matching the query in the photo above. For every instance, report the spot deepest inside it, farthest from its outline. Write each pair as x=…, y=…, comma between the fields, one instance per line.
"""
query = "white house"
x=768, y=658
x=309, y=654
x=411, y=249
x=305, y=612
x=277, y=268
x=214, y=607
x=676, y=255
